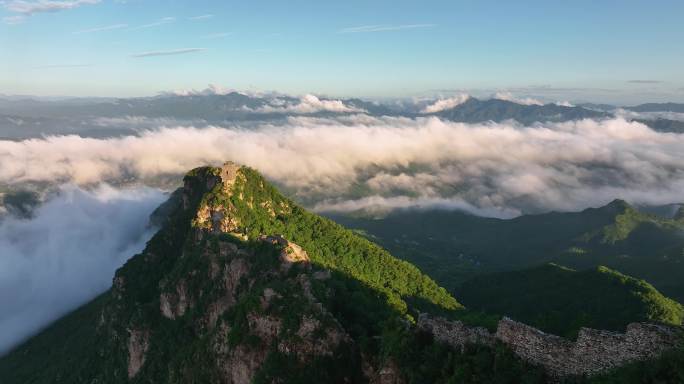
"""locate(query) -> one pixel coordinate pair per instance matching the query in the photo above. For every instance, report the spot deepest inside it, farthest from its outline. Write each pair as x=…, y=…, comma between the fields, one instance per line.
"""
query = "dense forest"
x=560, y=300
x=453, y=246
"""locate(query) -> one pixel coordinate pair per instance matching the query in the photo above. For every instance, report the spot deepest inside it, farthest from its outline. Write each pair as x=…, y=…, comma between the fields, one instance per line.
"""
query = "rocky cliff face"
x=243, y=301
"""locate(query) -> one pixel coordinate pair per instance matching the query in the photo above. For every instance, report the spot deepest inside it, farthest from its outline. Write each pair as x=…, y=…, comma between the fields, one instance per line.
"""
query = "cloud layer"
x=359, y=161
x=67, y=254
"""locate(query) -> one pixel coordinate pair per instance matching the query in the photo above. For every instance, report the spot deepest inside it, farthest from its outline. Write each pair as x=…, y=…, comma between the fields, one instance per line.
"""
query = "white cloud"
x=211, y=89
x=443, y=104
x=170, y=52
x=564, y=103
x=645, y=81
x=13, y=20
x=504, y=168
x=49, y=66
x=307, y=104
x=31, y=7
x=104, y=28
x=518, y=100
x=384, y=28
x=201, y=17
x=380, y=205
x=67, y=254
x=160, y=22
x=219, y=35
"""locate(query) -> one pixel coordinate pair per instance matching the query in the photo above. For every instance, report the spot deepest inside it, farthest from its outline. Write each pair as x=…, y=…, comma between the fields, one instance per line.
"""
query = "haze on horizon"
x=620, y=52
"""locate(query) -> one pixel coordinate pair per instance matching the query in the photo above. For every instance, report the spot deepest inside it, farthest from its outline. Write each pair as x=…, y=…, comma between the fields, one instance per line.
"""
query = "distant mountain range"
x=477, y=111
x=663, y=125
x=657, y=107
x=647, y=107
x=100, y=117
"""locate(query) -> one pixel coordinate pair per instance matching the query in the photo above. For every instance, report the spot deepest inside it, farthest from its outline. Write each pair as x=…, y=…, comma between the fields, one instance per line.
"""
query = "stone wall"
x=455, y=333
x=594, y=351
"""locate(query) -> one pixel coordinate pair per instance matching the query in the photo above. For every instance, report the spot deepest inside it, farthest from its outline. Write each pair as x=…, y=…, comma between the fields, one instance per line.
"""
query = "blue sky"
x=618, y=51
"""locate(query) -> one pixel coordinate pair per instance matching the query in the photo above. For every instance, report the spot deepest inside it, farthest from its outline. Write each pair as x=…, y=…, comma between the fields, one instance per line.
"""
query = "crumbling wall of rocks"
x=455, y=333
x=595, y=351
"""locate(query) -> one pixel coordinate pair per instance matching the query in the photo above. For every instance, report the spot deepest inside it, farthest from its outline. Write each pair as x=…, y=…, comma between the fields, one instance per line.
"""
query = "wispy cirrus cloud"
x=13, y=20
x=219, y=35
x=103, y=28
x=169, y=52
x=384, y=28
x=31, y=7
x=201, y=17
x=50, y=66
x=160, y=22
x=644, y=81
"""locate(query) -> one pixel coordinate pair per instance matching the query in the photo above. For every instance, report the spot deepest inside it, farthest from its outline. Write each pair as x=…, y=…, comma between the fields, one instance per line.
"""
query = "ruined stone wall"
x=552, y=352
x=455, y=333
x=599, y=351
x=594, y=351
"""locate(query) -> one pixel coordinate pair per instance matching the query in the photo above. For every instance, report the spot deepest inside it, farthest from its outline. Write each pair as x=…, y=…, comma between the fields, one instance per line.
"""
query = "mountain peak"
x=615, y=207
x=619, y=204
x=226, y=175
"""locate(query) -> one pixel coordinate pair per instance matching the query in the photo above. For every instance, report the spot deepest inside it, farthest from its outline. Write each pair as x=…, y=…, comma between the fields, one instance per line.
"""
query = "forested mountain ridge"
x=454, y=246
x=476, y=111
x=241, y=285
x=560, y=300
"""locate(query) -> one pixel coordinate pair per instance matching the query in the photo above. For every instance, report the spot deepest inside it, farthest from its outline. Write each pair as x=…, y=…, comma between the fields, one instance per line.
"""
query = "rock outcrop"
x=291, y=253
x=138, y=343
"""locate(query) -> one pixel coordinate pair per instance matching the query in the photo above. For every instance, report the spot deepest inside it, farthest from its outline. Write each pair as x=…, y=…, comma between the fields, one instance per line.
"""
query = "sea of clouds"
x=359, y=162
x=68, y=251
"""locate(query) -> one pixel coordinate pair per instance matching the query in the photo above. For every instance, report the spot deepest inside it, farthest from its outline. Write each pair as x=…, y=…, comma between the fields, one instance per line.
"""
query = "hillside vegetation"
x=453, y=246
x=560, y=300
